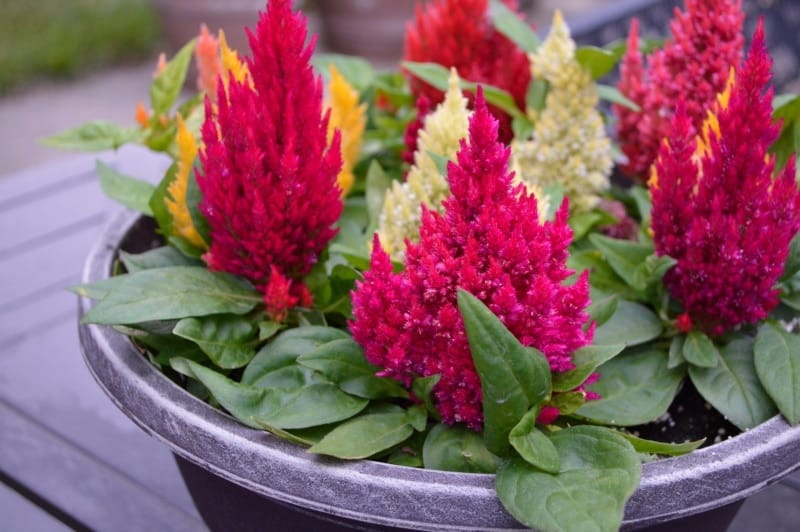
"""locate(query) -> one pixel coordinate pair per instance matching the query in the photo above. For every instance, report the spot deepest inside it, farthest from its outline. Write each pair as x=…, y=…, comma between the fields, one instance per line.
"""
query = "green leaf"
x=512, y=26
x=129, y=191
x=612, y=94
x=733, y=388
x=514, y=378
x=342, y=362
x=635, y=387
x=313, y=405
x=228, y=340
x=597, y=61
x=438, y=76
x=586, y=360
x=365, y=436
x=631, y=324
x=698, y=349
x=599, y=472
x=792, y=265
x=291, y=377
x=284, y=349
x=440, y=161
x=422, y=387
x=162, y=257
x=268, y=329
x=675, y=358
x=583, y=222
x=522, y=128
x=555, y=193
x=173, y=293
x=624, y=256
x=418, y=417
x=168, y=83
x=457, y=448
x=356, y=70
x=537, y=94
x=777, y=360
x=98, y=289
x=533, y=445
x=662, y=448
x=94, y=136
x=602, y=309
x=377, y=185
x=163, y=217
x=644, y=204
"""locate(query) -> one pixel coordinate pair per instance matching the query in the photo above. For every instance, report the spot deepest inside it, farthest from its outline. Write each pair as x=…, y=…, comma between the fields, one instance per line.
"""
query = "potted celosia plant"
x=431, y=270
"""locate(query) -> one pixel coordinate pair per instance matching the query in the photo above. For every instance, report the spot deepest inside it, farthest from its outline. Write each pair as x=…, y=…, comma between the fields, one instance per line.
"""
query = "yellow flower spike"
x=175, y=200
x=350, y=119
x=231, y=64
x=569, y=144
x=711, y=122
x=441, y=134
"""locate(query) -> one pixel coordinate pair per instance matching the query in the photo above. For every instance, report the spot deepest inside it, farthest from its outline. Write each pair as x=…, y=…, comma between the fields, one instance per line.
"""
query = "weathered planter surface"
x=376, y=494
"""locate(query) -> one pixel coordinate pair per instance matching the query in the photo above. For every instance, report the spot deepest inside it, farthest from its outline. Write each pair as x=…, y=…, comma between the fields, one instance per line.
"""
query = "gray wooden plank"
x=69, y=479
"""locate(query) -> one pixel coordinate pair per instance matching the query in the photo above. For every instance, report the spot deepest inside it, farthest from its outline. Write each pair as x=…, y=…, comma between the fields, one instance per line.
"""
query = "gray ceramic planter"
x=237, y=474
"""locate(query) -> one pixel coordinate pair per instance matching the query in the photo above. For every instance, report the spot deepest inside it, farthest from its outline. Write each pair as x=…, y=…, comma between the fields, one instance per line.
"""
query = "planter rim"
x=380, y=493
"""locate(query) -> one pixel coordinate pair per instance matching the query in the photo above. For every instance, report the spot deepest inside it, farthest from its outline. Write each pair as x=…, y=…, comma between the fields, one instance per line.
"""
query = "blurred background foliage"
x=61, y=38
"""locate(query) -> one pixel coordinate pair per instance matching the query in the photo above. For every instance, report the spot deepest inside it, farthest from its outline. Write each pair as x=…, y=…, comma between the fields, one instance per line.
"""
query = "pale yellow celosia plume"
x=175, y=199
x=441, y=134
x=569, y=145
x=350, y=119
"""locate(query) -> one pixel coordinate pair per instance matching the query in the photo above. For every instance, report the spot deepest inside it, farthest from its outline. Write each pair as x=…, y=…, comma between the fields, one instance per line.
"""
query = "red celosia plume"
x=268, y=178
x=458, y=33
x=718, y=210
x=692, y=67
x=489, y=242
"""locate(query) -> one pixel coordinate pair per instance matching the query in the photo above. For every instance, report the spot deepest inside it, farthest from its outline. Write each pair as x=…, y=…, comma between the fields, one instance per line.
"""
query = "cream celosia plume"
x=569, y=145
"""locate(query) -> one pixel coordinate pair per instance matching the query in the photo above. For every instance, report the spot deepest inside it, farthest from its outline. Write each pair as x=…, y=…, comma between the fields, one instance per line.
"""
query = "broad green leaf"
x=602, y=309
x=777, y=360
x=228, y=340
x=377, y=185
x=597, y=61
x=599, y=472
x=659, y=447
x=533, y=445
x=514, y=378
x=631, y=324
x=624, y=256
x=268, y=329
x=649, y=275
x=162, y=257
x=129, y=191
x=644, y=204
x=457, y=448
x=342, y=362
x=418, y=417
x=733, y=388
x=586, y=360
x=422, y=387
x=284, y=349
x=537, y=94
x=613, y=95
x=290, y=377
x=675, y=358
x=168, y=83
x=512, y=26
x=698, y=349
x=583, y=222
x=98, y=289
x=365, y=436
x=440, y=161
x=173, y=293
x=568, y=403
x=521, y=127
x=555, y=194
x=94, y=136
x=635, y=387
x=313, y=405
x=356, y=70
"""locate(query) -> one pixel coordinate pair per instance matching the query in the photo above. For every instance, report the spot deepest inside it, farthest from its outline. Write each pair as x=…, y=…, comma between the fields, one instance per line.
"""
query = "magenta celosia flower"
x=692, y=67
x=489, y=242
x=718, y=210
x=268, y=179
x=459, y=33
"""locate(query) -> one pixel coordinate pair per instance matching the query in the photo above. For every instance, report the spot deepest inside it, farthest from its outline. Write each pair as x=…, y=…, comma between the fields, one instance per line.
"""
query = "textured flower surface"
x=718, y=210
x=569, y=145
x=489, y=241
x=458, y=33
x=269, y=178
x=440, y=135
x=206, y=55
x=182, y=223
x=692, y=67
x=350, y=119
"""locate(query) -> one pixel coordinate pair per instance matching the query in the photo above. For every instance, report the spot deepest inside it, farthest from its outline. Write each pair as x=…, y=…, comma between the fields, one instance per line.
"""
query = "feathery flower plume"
x=440, y=135
x=718, y=210
x=175, y=200
x=489, y=242
x=350, y=119
x=269, y=177
x=458, y=33
x=569, y=144
x=206, y=57
x=231, y=64
x=692, y=67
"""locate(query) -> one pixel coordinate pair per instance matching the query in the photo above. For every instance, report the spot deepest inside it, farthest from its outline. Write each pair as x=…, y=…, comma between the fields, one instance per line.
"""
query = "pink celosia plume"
x=692, y=67
x=489, y=242
x=718, y=210
x=268, y=179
